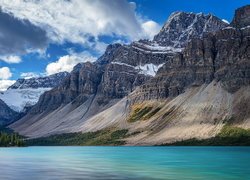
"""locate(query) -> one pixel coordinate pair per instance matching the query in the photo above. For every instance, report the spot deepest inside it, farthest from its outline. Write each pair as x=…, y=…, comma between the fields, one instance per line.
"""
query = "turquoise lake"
x=125, y=163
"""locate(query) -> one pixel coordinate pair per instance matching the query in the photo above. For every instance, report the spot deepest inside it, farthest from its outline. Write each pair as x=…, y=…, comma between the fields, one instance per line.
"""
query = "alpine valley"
x=190, y=84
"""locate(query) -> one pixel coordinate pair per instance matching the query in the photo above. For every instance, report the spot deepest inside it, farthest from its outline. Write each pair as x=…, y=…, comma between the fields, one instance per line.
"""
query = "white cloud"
x=28, y=75
x=4, y=84
x=150, y=28
x=66, y=63
x=76, y=21
x=10, y=59
x=5, y=73
x=73, y=20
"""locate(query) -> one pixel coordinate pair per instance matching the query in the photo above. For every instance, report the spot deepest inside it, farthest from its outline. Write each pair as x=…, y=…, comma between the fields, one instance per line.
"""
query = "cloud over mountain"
x=76, y=21
x=67, y=62
x=19, y=36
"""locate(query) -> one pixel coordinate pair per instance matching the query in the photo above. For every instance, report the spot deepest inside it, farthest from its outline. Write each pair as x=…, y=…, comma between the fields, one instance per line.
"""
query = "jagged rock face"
x=105, y=80
x=82, y=82
x=222, y=56
x=182, y=27
x=232, y=63
x=242, y=17
x=7, y=115
x=40, y=82
x=137, y=53
x=119, y=80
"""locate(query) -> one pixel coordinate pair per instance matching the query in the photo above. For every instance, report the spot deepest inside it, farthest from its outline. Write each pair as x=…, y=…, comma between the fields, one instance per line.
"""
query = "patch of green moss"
x=102, y=137
x=235, y=132
x=139, y=113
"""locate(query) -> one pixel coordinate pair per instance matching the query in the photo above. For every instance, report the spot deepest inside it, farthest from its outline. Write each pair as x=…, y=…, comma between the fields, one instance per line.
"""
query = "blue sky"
x=42, y=38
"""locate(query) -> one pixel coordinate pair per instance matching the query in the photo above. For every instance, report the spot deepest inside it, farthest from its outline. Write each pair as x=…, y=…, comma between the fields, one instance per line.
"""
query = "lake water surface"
x=125, y=163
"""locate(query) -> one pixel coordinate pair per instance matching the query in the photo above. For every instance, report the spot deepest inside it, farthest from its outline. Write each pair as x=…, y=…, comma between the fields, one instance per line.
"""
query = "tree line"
x=9, y=140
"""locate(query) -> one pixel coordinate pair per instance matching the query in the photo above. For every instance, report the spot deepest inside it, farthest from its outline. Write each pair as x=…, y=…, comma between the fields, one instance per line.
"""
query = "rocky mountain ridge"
x=39, y=82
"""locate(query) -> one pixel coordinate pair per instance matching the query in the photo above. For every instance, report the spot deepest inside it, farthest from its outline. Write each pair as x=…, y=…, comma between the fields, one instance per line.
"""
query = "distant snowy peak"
x=181, y=27
x=18, y=99
x=26, y=92
x=40, y=82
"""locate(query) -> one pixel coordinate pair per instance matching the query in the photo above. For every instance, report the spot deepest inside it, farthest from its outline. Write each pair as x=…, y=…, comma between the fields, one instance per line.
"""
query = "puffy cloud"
x=67, y=62
x=5, y=73
x=150, y=28
x=19, y=36
x=76, y=21
x=4, y=84
x=10, y=59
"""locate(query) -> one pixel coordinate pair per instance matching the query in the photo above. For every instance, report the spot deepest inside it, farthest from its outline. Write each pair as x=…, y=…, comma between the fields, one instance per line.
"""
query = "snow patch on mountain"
x=18, y=99
x=154, y=48
x=149, y=69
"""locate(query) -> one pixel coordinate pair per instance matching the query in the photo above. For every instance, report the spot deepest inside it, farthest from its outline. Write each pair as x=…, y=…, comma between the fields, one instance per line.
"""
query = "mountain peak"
x=242, y=17
x=183, y=26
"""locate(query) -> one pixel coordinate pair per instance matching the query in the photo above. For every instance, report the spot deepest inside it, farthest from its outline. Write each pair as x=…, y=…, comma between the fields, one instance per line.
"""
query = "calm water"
x=125, y=163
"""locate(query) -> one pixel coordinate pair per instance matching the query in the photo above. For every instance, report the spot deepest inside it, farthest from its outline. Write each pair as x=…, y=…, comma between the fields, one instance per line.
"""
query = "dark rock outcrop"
x=7, y=115
x=242, y=17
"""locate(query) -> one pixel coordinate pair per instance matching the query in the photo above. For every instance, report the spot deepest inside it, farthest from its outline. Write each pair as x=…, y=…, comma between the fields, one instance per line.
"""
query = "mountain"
x=7, y=115
x=190, y=81
x=94, y=87
x=26, y=92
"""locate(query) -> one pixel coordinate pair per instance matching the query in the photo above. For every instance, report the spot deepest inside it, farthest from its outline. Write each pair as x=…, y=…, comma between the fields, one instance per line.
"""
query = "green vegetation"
x=142, y=113
x=10, y=139
x=138, y=113
x=101, y=137
x=229, y=136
